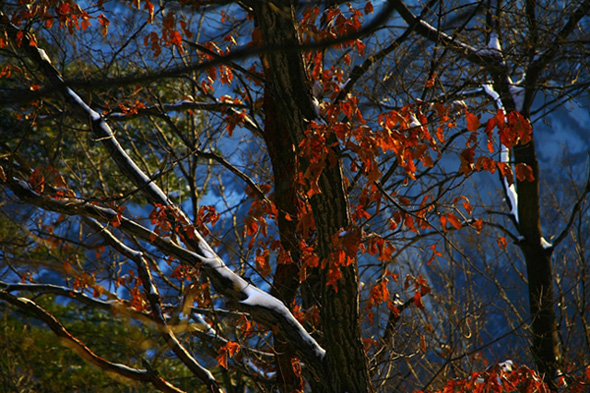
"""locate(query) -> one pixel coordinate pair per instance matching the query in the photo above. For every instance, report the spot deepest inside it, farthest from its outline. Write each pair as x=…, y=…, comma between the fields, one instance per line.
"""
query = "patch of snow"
x=93, y=114
x=25, y=185
x=253, y=367
x=507, y=366
x=510, y=189
x=316, y=107
x=517, y=96
x=458, y=105
x=415, y=122
x=183, y=102
x=493, y=47
x=545, y=244
x=206, y=328
x=153, y=289
x=258, y=298
x=43, y=55
x=397, y=300
x=489, y=89
x=343, y=85
x=494, y=42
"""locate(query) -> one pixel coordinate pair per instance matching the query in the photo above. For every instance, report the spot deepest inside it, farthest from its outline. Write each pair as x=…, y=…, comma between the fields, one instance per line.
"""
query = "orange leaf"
x=430, y=82
x=477, y=224
x=418, y=300
x=262, y=263
x=454, y=221
x=472, y=122
x=379, y=293
x=228, y=350
x=502, y=243
x=524, y=172
x=506, y=172
x=443, y=222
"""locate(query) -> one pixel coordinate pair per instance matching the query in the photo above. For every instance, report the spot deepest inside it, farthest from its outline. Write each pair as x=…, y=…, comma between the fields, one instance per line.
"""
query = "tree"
x=539, y=57
x=220, y=173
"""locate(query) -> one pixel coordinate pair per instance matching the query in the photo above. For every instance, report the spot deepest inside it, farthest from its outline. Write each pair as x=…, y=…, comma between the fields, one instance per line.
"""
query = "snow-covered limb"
x=263, y=307
x=493, y=48
x=489, y=89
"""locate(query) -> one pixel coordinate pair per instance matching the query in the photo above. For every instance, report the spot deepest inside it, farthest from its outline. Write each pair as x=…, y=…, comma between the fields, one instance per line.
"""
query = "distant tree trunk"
x=545, y=347
x=345, y=366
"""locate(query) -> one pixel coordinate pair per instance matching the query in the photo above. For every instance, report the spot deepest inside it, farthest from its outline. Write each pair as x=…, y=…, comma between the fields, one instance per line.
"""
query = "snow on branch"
x=263, y=307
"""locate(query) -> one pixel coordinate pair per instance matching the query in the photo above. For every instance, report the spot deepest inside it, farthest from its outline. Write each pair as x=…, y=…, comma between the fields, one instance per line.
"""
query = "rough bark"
x=346, y=366
x=286, y=278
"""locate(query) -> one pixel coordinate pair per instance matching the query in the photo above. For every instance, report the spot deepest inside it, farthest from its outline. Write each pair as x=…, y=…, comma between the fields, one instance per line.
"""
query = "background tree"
x=292, y=138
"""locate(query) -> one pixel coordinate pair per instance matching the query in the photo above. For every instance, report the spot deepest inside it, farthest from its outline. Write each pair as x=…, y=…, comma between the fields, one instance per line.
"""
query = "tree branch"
x=83, y=351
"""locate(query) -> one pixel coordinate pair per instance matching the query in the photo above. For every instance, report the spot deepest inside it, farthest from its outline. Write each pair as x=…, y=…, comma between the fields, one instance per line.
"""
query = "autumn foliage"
x=237, y=179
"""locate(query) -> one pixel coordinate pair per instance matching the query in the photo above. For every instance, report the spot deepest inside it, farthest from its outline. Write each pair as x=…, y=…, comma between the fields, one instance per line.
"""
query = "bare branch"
x=83, y=351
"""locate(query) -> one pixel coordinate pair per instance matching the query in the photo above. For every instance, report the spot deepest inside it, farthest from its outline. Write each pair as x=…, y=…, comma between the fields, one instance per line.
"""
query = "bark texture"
x=345, y=367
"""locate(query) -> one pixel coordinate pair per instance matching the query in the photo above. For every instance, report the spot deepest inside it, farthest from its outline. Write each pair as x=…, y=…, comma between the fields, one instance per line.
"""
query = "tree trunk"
x=286, y=278
x=345, y=366
x=545, y=347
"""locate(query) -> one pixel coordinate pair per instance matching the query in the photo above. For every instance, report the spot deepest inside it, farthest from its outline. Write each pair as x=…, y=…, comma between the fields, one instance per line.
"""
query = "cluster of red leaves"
x=513, y=129
x=131, y=108
x=229, y=350
x=502, y=379
x=47, y=176
x=206, y=215
x=159, y=216
x=233, y=118
x=420, y=287
x=406, y=133
x=341, y=23
x=226, y=75
x=379, y=294
x=67, y=14
x=171, y=28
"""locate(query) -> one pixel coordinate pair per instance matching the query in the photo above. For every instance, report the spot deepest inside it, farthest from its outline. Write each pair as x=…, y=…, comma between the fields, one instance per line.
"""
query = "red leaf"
x=104, y=23
x=472, y=122
x=454, y=221
x=506, y=172
x=418, y=300
x=263, y=263
x=228, y=350
x=379, y=293
x=443, y=222
x=502, y=243
x=477, y=224
x=368, y=8
x=524, y=172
